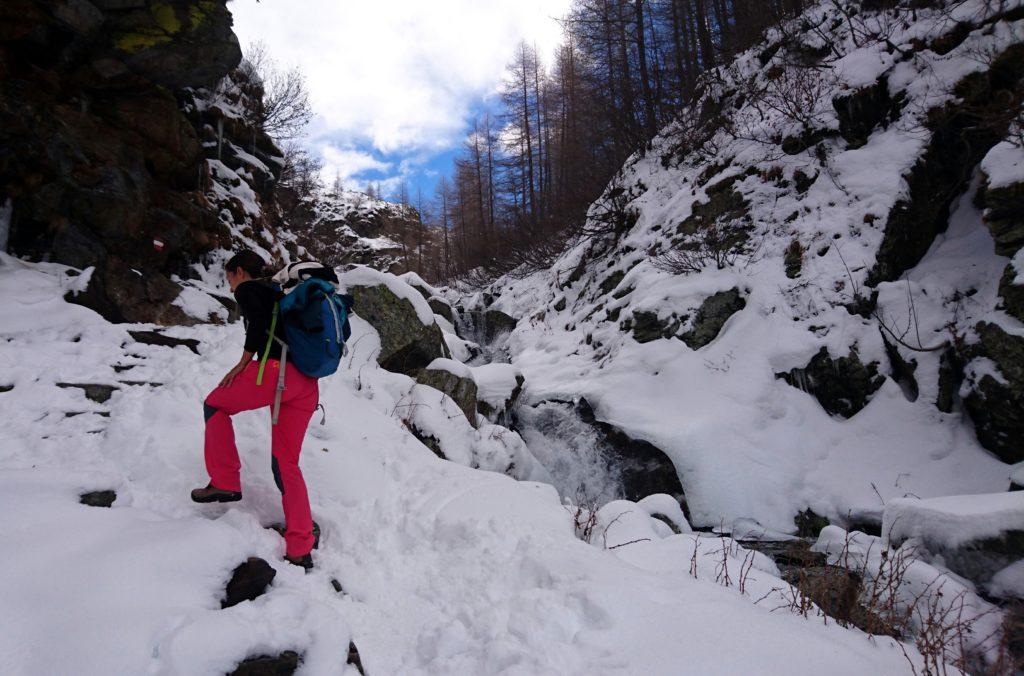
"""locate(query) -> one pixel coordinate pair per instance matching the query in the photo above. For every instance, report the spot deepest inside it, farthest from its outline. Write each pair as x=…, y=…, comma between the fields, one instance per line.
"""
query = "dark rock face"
x=711, y=317
x=94, y=392
x=98, y=498
x=442, y=308
x=284, y=664
x=97, y=157
x=1012, y=294
x=1004, y=216
x=708, y=321
x=462, y=390
x=809, y=524
x=157, y=338
x=407, y=345
x=248, y=581
x=647, y=326
x=842, y=386
x=861, y=111
x=958, y=144
x=996, y=405
x=980, y=560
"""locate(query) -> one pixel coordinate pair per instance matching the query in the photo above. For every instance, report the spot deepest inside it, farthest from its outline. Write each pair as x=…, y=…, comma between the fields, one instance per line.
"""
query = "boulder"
x=93, y=391
x=842, y=386
x=98, y=498
x=455, y=380
x=407, y=345
x=976, y=536
x=711, y=317
x=441, y=307
x=647, y=326
x=248, y=581
x=1004, y=216
x=498, y=389
x=1011, y=293
x=993, y=392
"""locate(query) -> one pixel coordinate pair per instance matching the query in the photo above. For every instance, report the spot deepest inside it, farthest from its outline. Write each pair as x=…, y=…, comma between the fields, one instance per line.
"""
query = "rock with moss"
x=441, y=307
x=842, y=386
x=648, y=326
x=407, y=344
x=994, y=391
x=1004, y=216
x=724, y=206
x=956, y=141
x=176, y=43
x=454, y=379
x=1011, y=293
x=711, y=316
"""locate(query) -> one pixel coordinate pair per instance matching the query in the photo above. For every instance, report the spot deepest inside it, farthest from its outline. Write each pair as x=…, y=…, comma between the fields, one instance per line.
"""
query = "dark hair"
x=247, y=260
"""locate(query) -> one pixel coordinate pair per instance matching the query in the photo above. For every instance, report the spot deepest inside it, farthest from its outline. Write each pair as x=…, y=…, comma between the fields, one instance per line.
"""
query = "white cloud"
x=347, y=163
x=397, y=74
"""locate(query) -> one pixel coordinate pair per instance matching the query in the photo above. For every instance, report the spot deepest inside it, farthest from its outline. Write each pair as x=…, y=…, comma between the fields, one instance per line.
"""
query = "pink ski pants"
x=298, y=401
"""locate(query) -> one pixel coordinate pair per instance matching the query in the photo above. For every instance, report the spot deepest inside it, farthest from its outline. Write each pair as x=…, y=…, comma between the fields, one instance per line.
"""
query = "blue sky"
x=395, y=83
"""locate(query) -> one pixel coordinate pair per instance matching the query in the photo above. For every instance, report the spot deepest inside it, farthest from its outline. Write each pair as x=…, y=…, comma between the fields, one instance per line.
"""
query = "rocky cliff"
x=120, y=152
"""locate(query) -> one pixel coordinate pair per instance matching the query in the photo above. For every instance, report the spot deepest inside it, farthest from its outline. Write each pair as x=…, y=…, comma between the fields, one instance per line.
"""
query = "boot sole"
x=217, y=498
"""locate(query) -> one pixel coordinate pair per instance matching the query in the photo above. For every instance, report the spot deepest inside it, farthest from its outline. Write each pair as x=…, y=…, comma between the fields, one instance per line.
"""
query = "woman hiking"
x=239, y=391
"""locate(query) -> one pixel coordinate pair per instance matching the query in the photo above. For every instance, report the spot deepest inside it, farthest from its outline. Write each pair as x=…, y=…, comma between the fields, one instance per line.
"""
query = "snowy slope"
x=445, y=569
x=745, y=443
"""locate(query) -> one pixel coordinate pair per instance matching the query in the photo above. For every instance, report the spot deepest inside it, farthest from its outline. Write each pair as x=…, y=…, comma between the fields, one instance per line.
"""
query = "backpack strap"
x=276, y=410
x=270, y=341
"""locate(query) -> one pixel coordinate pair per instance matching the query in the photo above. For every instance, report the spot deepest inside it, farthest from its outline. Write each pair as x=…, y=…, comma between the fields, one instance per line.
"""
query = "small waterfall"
x=580, y=463
x=473, y=325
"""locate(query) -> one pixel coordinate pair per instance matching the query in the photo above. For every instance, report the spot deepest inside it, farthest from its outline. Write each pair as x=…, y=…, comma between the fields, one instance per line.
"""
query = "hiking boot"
x=214, y=494
x=301, y=561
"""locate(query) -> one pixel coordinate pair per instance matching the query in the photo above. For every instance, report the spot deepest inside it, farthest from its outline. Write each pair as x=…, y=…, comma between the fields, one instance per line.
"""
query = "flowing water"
x=581, y=464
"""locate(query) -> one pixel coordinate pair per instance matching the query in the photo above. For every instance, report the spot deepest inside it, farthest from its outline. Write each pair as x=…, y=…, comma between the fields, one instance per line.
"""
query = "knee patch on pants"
x=208, y=411
x=276, y=469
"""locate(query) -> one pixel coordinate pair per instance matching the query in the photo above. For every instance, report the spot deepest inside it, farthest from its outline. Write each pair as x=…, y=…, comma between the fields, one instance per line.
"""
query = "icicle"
x=220, y=135
x=5, y=223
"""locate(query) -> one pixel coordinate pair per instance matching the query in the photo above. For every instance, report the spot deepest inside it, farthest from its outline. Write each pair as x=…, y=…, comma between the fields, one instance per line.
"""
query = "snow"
x=1004, y=165
x=495, y=383
x=445, y=568
x=951, y=521
x=228, y=184
x=451, y=366
x=1009, y=582
x=413, y=279
x=199, y=304
x=361, y=275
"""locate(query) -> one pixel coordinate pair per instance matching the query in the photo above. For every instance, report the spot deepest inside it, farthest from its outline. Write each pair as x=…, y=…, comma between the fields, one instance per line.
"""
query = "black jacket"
x=256, y=300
